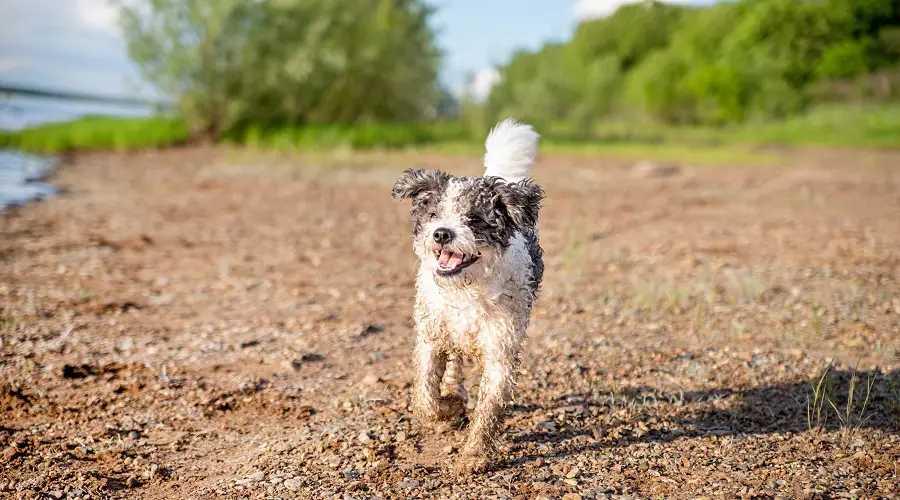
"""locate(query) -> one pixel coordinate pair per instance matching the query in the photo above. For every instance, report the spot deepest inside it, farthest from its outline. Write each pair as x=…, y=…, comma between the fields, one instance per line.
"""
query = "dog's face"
x=462, y=225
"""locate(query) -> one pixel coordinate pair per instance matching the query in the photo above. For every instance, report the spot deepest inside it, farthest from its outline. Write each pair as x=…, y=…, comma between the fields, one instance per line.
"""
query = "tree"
x=234, y=63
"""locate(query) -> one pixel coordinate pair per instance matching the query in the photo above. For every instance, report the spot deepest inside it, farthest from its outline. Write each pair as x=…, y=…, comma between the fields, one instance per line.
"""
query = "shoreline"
x=26, y=178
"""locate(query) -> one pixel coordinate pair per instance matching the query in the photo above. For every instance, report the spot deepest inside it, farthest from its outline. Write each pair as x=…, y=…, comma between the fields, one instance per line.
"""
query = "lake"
x=21, y=178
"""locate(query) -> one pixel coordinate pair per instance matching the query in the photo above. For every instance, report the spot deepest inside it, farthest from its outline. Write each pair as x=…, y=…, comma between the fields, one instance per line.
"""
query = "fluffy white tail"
x=510, y=151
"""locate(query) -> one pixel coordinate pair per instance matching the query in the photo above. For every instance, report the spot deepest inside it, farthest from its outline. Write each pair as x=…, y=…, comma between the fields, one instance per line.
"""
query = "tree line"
x=237, y=64
x=728, y=63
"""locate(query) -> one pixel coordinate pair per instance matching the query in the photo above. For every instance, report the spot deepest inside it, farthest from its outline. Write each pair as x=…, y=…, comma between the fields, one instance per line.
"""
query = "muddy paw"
x=468, y=464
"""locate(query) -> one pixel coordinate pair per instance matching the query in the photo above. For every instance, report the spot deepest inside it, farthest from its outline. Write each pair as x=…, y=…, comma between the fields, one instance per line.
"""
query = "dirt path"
x=201, y=324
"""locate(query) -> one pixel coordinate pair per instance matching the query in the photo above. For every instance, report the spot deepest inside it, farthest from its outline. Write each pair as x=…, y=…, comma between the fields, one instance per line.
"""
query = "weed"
x=822, y=395
x=700, y=317
x=853, y=415
x=816, y=322
x=850, y=420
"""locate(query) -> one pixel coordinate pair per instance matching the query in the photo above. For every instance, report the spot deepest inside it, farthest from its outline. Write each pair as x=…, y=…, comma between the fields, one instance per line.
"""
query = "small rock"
x=546, y=426
x=651, y=169
x=571, y=496
x=282, y=447
x=56, y=494
x=571, y=482
x=370, y=330
x=449, y=450
x=410, y=483
x=291, y=484
x=364, y=437
x=133, y=434
x=400, y=437
x=573, y=473
x=371, y=380
x=257, y=476
x=306, y=358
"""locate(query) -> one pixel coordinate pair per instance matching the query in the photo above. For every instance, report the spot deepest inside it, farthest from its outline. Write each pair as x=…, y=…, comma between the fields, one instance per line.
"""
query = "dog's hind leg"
x=455, y=396
x=453, y=379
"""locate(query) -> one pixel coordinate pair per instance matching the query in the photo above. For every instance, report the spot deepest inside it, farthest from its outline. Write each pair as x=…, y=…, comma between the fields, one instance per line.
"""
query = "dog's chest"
x=462, y=315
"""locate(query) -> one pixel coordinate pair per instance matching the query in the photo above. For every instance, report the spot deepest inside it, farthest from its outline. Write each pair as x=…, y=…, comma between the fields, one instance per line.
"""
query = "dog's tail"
x=510, y=151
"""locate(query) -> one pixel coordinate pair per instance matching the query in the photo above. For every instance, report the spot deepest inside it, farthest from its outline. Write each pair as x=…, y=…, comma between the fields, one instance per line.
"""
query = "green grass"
x=637, y=150
x=871, y=126
x=836, y=125
x=98, y=133
x=359, y=136
x=854, y=126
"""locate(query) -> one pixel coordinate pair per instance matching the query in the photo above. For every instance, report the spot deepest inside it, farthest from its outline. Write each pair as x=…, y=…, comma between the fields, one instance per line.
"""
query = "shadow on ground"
x=764, y=410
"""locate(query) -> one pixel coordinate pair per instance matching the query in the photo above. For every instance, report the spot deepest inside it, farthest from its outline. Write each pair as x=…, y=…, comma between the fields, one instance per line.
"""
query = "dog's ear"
x=522, y=201
x=414, y=182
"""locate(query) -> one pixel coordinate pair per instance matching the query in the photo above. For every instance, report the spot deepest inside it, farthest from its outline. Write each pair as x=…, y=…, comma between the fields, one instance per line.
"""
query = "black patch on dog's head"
x=425, y=188
x=523, y=203
x=495, y=209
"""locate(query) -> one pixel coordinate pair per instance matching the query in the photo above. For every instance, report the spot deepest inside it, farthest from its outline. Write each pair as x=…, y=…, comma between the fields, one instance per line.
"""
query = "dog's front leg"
x=498, y=380
x=430, y=366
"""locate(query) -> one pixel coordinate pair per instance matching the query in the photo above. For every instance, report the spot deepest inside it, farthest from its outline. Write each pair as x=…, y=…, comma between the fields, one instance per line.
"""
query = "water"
x=21, y=174
x=20, y=178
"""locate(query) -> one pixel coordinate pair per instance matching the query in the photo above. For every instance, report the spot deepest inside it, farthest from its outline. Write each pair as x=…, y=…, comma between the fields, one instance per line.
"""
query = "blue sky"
x=75, y=45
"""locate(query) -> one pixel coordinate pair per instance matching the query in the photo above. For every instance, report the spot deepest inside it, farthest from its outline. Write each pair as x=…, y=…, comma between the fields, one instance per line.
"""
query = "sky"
x=75, y=45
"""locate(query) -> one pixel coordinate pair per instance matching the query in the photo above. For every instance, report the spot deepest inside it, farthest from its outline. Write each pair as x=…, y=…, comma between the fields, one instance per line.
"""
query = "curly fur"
x=481, y=267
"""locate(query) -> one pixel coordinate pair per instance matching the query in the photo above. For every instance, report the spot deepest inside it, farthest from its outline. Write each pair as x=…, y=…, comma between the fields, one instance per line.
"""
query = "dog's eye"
x=475, y=219
x=432, y=215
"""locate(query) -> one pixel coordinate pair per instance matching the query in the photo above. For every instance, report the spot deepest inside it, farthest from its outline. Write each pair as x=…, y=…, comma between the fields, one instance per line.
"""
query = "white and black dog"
x=480, y=271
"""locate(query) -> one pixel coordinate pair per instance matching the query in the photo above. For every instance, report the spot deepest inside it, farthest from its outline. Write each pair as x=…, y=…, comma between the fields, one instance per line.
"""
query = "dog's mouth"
x=452, y=263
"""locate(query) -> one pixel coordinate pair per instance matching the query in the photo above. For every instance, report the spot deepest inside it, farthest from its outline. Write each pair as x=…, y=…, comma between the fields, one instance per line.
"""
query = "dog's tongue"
x=449, y=259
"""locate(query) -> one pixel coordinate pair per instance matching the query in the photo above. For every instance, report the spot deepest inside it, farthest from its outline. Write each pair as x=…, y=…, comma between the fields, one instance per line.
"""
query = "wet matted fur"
x=480, y=271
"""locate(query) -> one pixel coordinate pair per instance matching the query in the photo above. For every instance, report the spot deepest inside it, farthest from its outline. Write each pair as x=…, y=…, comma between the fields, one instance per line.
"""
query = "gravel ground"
x=211, y=324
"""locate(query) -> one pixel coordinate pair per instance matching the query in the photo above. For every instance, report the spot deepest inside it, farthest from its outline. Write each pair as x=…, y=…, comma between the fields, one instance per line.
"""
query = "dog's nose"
x=442, y=235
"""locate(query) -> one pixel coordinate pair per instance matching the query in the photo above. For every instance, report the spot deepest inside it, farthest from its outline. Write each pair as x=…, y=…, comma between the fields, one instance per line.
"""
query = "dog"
x=480, y=271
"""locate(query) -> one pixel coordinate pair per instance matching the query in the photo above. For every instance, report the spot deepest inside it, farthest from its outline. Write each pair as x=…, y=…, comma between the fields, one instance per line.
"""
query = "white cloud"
x=98, y=14
x=483, y=82
x=69, y=45
x=584, y=10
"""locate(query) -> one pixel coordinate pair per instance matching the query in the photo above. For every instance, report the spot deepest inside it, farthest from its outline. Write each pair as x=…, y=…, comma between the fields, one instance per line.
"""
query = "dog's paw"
x=468, y=464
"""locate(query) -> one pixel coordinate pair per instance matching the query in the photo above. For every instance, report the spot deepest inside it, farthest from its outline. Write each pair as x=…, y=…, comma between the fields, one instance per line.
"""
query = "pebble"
x=410, y=483
x=291, y=484
x=256, y=476
x=400, y=437
x=364, y=437
x=573, y=473
x=57, y=494
x=282, y=447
